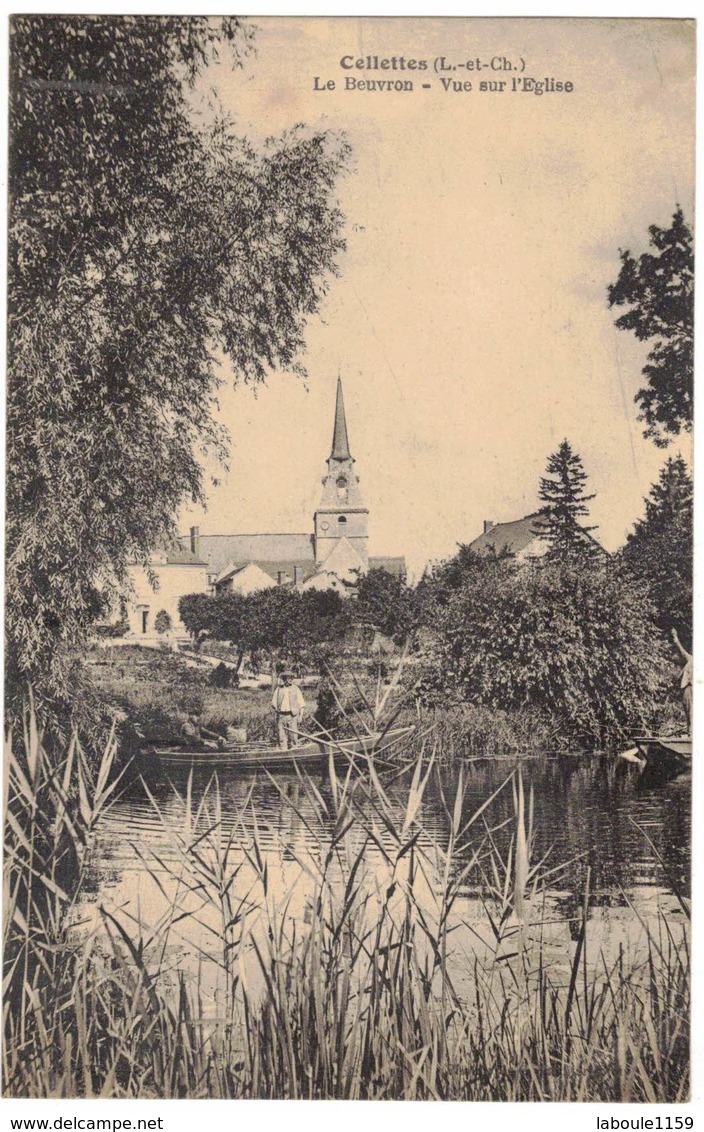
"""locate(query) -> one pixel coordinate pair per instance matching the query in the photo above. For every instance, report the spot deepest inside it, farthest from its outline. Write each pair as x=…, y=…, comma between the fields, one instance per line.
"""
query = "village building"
x=518, y=538
x=331, y=556
x=154, y=612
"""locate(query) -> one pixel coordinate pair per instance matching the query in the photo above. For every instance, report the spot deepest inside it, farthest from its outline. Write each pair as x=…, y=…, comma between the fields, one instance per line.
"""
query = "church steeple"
x=340, y=441
x=341, y=512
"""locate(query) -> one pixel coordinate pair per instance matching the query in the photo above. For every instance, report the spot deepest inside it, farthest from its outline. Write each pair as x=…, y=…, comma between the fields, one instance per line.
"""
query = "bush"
x=386, y=604
x=153, y=690
x=162, y=622
x=118, y=629
x=224, y=677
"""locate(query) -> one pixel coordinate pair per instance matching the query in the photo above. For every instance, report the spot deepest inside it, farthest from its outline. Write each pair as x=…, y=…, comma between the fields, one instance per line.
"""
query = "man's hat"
x=286, y=672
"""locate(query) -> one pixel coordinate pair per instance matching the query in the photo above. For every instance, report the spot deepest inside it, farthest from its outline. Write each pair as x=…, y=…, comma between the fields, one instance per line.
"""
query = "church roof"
x=393, y=565
x=221, y=550
x=178, y=556
x=340, y=441
x=342, y=560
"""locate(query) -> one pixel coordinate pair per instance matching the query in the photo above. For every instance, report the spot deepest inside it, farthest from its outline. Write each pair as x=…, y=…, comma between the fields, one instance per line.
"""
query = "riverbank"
x=153, y=691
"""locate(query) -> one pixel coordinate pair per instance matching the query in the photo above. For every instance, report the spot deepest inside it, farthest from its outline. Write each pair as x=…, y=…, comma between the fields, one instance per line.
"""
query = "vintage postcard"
x=349, y=559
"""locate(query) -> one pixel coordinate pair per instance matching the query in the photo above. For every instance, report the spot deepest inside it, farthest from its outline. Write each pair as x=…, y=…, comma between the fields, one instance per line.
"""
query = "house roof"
x=512, y=537
x=517, y=537
x=179, y=556
x=326, y=581
x=221, y=550
x=306, y=567
x=247, y=578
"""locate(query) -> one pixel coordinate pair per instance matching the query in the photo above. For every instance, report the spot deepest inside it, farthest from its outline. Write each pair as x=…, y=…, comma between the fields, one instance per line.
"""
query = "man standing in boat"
x=288, y=703
x=686, y=681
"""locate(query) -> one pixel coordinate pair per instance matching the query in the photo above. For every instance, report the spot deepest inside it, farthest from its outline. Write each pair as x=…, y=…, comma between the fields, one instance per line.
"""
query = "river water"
x=592, y=821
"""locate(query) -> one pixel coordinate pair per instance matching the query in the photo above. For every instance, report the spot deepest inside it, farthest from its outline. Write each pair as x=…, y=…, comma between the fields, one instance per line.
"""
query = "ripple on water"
x=587, y=813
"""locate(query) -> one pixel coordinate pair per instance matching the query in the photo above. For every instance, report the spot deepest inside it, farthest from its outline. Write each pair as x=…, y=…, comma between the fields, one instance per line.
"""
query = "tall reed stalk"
x=395, y=963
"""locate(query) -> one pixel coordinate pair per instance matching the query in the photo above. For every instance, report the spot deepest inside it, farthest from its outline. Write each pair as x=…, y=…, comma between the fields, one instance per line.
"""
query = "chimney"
x=195, y=541
x=488, y=524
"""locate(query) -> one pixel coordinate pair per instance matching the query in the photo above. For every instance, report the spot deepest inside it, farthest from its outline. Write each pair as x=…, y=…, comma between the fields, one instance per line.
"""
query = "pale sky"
x=470, y=322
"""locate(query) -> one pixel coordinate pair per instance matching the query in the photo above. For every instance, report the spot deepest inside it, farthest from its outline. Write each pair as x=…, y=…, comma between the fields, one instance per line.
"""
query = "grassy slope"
x=156, y=690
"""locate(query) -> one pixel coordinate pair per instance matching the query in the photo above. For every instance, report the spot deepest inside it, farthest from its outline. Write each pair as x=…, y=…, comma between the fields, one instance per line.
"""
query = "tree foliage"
x=575, y=640
x=660, y=548
x=657, y=288
x=303, y=627
x=306, y=625
x=196, y=614
x=385, y=603
x=145, y=239
x=562, y=492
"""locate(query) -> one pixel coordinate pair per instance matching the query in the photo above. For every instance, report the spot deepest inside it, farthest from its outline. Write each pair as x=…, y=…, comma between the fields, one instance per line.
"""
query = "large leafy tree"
x=385, y=603
x=565, y=504
x=275, y=622
x=657, y=290
x=146, y=239
x=659, y=550
x=573, y=639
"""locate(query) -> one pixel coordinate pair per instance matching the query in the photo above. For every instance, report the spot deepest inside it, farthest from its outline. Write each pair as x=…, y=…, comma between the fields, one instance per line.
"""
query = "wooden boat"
x=261, y=756
x=664, y=749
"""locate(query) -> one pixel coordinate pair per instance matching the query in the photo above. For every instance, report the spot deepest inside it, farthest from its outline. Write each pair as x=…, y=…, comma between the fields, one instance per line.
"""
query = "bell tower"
x=341, y=513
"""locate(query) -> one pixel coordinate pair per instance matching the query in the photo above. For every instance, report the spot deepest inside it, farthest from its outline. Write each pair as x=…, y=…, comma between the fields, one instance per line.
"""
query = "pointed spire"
x=340, y=443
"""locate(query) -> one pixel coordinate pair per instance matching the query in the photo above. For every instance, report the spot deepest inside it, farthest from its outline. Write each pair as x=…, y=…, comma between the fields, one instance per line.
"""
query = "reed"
x=475, y=730
x=366, y=976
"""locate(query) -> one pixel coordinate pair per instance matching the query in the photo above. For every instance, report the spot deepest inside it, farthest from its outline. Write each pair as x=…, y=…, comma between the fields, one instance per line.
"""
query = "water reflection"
x=587, y=813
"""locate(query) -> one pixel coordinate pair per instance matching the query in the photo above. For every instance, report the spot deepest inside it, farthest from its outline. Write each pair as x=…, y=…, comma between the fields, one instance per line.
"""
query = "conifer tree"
x=659, y=550
x=562, y=491
x=670, y=500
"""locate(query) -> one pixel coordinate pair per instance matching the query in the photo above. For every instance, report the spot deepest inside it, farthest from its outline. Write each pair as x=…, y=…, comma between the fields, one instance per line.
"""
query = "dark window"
x=342, y=519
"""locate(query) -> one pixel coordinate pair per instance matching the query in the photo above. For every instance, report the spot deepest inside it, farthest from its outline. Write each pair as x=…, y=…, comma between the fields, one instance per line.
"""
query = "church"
x=331, y=556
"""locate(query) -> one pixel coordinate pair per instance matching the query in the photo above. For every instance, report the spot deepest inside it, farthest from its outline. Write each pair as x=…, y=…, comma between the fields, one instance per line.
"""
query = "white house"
x=152, y=612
